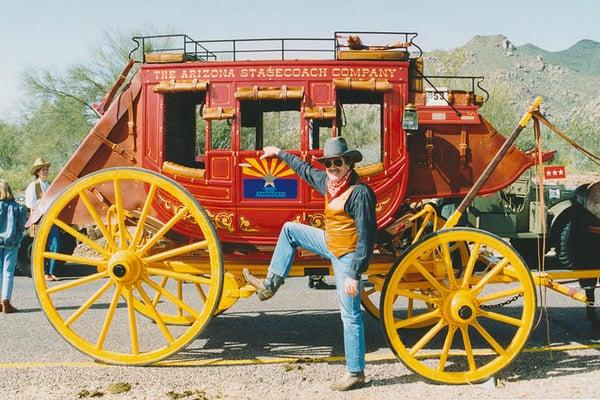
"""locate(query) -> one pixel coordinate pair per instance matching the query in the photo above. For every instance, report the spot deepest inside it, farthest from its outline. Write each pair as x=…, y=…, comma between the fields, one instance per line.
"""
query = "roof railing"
x=268, y=48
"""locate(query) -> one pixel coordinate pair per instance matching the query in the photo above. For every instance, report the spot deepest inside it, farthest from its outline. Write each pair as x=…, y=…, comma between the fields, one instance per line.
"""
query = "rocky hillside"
x=568, y=81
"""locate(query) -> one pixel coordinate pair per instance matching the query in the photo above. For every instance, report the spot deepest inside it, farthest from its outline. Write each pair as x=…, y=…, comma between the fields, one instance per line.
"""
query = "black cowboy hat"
x=337, y=147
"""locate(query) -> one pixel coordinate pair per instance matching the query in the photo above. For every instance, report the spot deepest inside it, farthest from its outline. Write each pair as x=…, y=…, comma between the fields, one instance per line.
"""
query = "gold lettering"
x=243, y=73
x=172, y=74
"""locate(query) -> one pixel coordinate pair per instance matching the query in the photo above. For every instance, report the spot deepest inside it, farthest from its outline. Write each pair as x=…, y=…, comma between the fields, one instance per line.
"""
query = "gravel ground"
x=533, y=376
x=35, y=363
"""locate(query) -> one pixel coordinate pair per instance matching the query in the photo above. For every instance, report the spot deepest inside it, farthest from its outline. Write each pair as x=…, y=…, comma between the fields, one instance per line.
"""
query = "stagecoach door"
x=269, y=192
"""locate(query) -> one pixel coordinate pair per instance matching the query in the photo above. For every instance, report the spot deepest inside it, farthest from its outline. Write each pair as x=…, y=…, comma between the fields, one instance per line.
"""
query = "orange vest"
x=340, y=230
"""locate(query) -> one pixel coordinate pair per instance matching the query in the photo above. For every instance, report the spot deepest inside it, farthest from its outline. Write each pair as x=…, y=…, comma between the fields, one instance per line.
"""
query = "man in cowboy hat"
x=34, y=192
x=347, y=241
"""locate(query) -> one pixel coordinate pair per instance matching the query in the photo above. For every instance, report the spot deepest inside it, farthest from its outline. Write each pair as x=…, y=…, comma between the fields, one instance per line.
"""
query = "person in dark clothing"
x=12, y=222
x=347, y=241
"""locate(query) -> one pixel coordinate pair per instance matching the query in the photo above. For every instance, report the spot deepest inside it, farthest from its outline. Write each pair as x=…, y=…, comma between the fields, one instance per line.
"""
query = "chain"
x=504, y=303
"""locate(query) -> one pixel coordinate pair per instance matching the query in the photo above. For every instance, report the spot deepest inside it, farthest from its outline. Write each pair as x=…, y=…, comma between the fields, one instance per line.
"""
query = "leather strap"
x=114, y=146
x=429, y=147
x=463, y=147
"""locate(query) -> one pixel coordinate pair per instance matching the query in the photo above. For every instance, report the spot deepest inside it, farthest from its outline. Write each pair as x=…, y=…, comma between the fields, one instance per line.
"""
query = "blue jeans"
x=8, y=259
x=295, y=235
x=52, y=245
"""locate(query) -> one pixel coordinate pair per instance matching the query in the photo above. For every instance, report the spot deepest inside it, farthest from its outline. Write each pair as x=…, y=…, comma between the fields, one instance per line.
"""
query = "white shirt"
x=31, y=200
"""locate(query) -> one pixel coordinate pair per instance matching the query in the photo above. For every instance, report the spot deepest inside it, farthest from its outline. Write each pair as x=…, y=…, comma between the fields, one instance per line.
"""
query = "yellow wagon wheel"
x=129, y=267
x=483, y=313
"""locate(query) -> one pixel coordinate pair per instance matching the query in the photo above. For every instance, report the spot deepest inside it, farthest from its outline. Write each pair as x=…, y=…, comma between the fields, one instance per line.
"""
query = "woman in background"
x=33, y=194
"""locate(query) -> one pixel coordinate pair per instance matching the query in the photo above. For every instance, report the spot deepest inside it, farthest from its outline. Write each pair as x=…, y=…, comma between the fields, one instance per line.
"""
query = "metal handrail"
x=199, y=50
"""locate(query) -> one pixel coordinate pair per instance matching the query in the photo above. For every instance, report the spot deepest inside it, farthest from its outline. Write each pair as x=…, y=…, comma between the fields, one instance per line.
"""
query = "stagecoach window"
x=221, y=133
x=184, y=129
x=270, y=123
x=318, y=132
x=360, y=121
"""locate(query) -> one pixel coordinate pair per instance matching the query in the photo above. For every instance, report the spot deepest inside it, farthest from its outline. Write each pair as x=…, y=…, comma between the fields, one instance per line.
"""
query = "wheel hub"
x=461, y=307
x=125, y=267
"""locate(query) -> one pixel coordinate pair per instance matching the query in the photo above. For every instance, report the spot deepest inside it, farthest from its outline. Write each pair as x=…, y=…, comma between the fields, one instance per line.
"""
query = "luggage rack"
x=181, y=47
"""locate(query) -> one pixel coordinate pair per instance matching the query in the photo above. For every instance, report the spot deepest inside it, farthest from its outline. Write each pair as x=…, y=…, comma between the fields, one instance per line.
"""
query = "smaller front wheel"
x=481, y=309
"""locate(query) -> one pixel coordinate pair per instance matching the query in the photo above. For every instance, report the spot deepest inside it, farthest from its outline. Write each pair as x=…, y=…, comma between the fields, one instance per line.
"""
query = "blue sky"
x=42, y=33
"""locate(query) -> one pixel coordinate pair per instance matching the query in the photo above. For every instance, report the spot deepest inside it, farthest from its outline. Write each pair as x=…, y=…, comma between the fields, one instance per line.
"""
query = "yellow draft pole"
x=453, y=220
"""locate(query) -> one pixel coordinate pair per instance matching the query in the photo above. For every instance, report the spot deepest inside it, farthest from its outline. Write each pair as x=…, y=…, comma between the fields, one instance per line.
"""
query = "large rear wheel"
x=482, y=313
x=133, y=269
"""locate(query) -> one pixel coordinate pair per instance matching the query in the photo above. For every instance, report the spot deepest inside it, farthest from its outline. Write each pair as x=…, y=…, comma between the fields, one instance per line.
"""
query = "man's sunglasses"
x=338, y=163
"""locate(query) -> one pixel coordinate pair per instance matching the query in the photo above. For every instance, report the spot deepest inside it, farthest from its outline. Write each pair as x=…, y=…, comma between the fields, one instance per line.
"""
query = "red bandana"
x=338, y=186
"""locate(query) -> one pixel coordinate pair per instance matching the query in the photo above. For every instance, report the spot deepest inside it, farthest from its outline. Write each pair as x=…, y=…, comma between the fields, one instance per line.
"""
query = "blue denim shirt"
x=12, y=223
x=360, y=207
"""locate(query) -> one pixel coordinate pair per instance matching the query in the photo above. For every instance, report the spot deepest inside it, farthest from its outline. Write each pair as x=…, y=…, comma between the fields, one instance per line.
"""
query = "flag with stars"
x=555, y=172
x=268, y=179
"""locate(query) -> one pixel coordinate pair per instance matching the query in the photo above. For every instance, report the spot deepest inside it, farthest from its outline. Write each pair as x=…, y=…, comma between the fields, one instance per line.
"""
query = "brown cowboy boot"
x=350, y=380
x=264, y=289
x=7, y=308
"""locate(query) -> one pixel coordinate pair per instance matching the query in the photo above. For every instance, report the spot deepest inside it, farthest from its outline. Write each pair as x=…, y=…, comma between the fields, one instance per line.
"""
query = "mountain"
x=583, y=57
x=568, y=80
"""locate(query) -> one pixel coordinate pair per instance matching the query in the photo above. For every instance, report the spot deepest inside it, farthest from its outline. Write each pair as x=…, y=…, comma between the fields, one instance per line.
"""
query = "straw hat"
x=38, y=164
x=337, y=147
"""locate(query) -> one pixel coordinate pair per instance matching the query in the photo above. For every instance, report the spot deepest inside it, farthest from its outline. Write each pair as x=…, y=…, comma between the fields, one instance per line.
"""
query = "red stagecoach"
x=171, y=181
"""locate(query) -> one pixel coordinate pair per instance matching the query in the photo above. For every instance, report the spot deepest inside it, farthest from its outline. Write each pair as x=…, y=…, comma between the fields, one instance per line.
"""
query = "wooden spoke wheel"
x=132, y=270
x=482, y=313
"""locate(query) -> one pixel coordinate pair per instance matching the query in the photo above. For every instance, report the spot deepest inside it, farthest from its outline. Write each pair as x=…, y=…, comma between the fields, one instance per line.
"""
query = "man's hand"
x=351, y=287
x=270, y=151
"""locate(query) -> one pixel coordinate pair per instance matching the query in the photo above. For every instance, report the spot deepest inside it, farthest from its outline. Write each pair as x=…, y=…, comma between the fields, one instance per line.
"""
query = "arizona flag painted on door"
x=555, y=172
x=268, y=179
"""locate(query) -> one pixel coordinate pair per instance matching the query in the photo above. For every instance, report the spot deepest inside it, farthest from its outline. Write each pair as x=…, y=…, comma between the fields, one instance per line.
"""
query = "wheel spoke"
x=425, y=317
x=446, y=348
x=135, y=346
x=427, y=337
x=468, y=348
x=77, y=282
x=449, y=266
x=176, y=252
x=487, y=277
x=430, y=277
x=120, y=213
x=109, y=317
x=163, y=283
x=411, y=294
x=370, y=291
x=500, y=295
x=179, y=296
x=155, y=315
x=489, y=338
x=501, y=318
x=82, y=238
x=179, y=276
x=164, y=229
x=96, y=262
x=200, y=291
x=142, y=221
x=470, y=266
x=96, y=217
x=85, y=306
x=173, y=299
